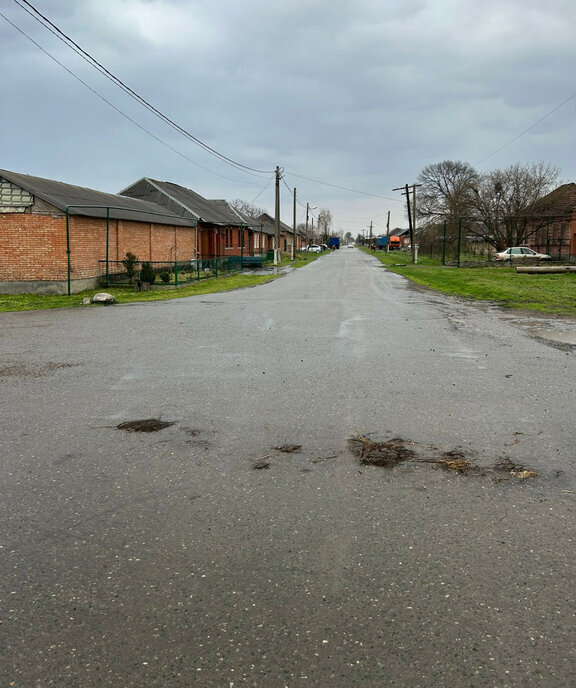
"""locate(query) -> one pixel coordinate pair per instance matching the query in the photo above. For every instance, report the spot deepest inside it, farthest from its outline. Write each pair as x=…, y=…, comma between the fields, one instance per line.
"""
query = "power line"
x=529, y=128
x=114, y=107
x=44, y=21
x=263, y=190
x=75, y=47
x=343, y=188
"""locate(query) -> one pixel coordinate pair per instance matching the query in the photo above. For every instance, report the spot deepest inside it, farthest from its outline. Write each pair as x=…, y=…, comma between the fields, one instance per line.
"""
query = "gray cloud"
x=360, y=94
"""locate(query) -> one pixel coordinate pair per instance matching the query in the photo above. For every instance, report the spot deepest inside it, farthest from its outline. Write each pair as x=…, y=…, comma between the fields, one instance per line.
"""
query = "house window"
x=229, y=238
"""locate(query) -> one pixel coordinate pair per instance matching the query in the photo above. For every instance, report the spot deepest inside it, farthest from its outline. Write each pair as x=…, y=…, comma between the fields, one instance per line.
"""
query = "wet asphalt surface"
x=167, y=559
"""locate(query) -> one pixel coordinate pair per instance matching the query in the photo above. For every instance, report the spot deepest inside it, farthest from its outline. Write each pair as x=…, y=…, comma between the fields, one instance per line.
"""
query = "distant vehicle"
x=314, y=248
x=334, y=242
x=519, y=253
x=394, y=242
x=351, y=246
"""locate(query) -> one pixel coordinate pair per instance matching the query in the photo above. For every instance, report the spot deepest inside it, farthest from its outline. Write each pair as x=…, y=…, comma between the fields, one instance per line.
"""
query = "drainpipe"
x=107, y=241
x=68, y=245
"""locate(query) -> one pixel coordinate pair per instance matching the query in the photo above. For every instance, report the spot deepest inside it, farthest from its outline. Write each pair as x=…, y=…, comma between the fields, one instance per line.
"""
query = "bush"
x=147, y=273
x=129, y=264
x=164, y=276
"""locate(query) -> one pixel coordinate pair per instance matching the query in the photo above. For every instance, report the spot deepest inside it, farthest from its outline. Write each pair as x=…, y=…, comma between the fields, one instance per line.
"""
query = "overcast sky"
x=359, y=94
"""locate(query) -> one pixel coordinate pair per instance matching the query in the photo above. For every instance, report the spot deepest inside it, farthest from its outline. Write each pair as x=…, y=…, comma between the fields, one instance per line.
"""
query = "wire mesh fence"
x=136, y=273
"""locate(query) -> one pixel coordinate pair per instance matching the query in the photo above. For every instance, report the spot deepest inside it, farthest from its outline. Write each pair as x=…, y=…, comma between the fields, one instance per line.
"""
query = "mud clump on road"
x=260, y=464
x=145, y=425
x=387, y=454
x=515, y=470
x=456, y=460
x=289, y=448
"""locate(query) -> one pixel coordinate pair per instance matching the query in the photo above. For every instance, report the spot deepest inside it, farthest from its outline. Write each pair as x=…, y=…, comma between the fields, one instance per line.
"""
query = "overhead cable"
x=44, y=21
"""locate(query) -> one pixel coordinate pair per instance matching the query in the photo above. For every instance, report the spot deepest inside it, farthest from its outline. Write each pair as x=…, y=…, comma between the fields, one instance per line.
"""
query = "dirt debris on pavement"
x=289, y=448
x=392, y=452
x=387, y=454
x=33, y=369
x=515, y=470
x=456, y=460
x=145, y=425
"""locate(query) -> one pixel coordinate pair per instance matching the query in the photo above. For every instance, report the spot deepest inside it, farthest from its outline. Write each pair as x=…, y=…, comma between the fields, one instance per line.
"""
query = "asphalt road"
x=167, y=559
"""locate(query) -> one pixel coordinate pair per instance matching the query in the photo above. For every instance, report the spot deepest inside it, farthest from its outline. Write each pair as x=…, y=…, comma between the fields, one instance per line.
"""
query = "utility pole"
x=277, y=220
x=294, y=237
x=406, y=192
x=414, y=207
x=388, y=233
x=370, y=237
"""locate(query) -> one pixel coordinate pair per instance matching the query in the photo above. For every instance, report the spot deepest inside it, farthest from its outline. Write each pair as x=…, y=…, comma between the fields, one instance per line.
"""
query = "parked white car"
x=314, y=248
x=520, y=253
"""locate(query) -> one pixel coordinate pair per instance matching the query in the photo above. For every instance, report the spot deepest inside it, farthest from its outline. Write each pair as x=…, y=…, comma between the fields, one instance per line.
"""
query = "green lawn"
x=547, y=293
x=30, y=302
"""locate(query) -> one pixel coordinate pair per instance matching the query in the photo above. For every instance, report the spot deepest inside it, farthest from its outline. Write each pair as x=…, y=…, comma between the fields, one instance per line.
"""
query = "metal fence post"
x=175, y=273
x=459, y=240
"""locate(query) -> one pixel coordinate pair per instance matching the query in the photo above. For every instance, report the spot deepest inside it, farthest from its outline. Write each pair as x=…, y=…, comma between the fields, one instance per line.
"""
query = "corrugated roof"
x=62, y=196
x=559, y=203
x=211, y=211
x=269, y=225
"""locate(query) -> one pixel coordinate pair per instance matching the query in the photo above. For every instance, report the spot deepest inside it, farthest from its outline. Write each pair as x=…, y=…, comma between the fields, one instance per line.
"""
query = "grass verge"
x=28, y=302
x=545, y=293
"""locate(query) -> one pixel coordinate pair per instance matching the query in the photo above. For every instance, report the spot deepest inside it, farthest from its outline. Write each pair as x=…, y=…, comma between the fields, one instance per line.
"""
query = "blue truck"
x=333, y=243
x=383, y=241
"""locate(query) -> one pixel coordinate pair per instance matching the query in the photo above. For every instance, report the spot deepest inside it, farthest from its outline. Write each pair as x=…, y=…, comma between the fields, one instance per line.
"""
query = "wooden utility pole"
x=388, y=233
x=370, y=239
x=277, y=220
x=411, y=225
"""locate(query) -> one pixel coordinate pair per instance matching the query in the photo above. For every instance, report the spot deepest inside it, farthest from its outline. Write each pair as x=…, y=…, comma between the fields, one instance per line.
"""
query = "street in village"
x=250, y=539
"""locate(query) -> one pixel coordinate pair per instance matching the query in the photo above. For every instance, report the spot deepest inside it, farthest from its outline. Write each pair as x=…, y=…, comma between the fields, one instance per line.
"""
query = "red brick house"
x=53, y=235
x=286, y=234
x=552, y=223
x=222, y=230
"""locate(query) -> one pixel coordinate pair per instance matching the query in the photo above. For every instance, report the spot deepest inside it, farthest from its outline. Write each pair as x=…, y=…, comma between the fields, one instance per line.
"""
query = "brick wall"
x=33, y=246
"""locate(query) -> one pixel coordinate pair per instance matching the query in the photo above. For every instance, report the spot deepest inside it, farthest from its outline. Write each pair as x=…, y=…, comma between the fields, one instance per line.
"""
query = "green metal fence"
x=118, y=273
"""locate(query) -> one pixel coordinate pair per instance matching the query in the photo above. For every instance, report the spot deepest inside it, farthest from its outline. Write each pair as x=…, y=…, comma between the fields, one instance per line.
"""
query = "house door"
x=206, y=243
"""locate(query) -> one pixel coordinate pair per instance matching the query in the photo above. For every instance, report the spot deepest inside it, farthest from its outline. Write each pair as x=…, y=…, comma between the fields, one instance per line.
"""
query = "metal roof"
x=269, y=225
x=190, y=203
x=63, y=196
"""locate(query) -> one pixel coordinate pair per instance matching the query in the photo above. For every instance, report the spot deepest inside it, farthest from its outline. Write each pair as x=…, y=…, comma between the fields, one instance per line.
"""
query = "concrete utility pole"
x=294, y=237
x=370, y=239
x=277, y=220
x=388, y=233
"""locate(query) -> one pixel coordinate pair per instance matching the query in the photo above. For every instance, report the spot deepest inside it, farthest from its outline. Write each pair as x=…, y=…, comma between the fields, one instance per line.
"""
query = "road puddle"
x=554, y=329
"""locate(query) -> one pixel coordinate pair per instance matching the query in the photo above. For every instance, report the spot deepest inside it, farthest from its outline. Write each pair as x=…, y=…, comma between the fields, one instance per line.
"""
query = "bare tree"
x=324, y=224
x=247, y=208
x=503, y=201
x=446, y=191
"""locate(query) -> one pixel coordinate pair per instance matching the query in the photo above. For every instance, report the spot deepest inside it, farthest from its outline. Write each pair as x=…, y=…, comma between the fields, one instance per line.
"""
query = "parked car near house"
x=520, y=253
x=314, y=248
